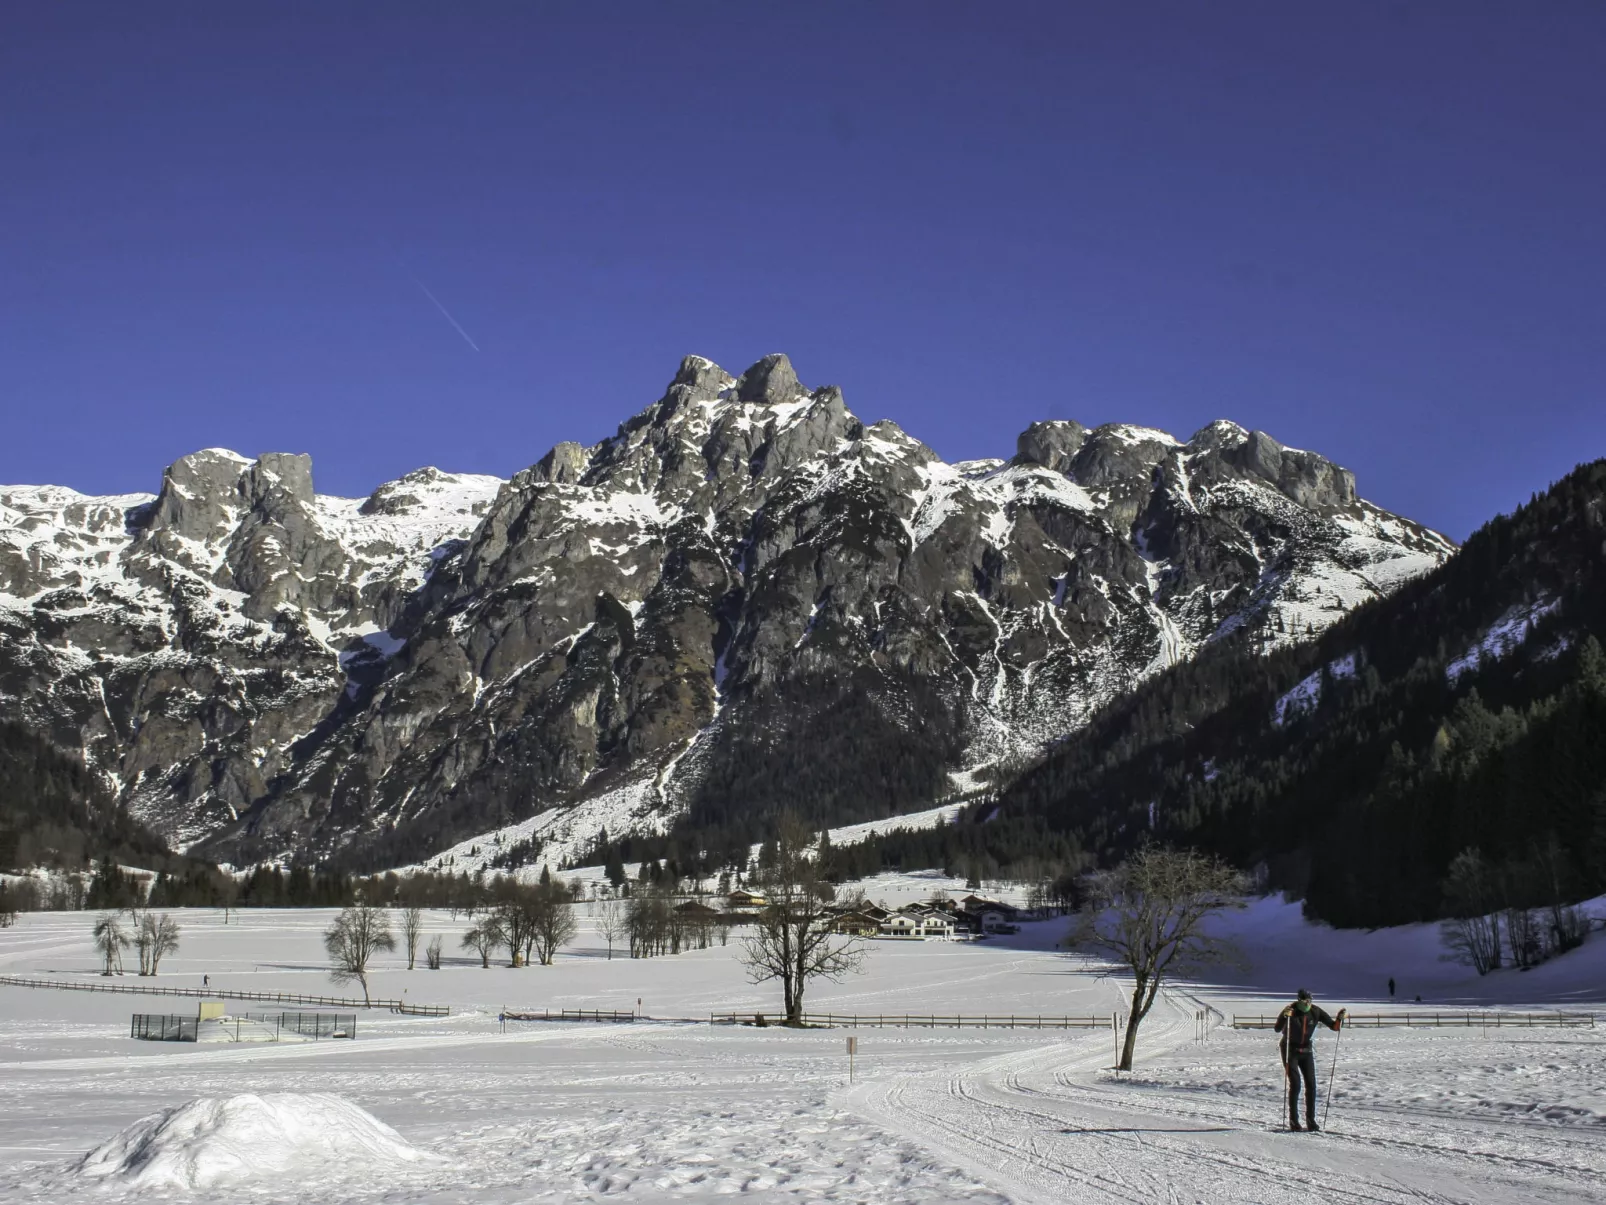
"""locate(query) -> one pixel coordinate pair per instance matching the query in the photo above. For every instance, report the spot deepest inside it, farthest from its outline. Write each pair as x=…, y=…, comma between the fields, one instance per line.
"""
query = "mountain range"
x=744, y=601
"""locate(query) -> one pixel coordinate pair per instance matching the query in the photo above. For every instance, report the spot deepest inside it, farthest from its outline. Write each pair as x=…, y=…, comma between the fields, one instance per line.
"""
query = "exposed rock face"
x=1053, y=444
x=186, y=642
x=769, y=382
x=672, y=617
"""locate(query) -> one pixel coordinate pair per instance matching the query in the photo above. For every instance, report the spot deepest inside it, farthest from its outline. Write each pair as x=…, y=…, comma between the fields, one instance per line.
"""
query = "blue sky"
x=1373, y=230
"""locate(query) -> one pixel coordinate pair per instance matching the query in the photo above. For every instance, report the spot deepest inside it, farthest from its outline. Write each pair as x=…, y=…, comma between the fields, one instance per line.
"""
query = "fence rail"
x=907, y=1021
x=221, y=993
x=1440, y=1020
x=421, y=1010
x=567, y=1014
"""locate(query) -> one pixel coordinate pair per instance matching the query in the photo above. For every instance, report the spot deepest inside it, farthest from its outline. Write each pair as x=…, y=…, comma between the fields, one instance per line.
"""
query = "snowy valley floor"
x=675, y=1110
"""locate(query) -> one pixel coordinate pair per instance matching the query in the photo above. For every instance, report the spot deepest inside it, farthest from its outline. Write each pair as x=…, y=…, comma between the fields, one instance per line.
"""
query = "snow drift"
x=214, y=1141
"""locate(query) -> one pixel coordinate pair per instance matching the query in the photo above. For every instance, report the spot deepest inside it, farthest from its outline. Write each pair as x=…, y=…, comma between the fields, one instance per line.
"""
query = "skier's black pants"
x=1302, y=1063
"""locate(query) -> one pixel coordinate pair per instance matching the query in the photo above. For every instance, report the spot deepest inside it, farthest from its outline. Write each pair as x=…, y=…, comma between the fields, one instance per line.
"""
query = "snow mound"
x=216, y=1141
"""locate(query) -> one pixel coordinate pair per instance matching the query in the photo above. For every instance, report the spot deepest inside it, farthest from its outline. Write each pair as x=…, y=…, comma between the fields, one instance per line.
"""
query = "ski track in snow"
x=1047, y=1126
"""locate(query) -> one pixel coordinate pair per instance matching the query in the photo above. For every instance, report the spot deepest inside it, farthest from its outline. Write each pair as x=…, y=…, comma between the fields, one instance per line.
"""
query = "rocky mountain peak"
x=200, y=494
x=1224, y=449
x=744, y=591
x=772, y=380
x=1223, y=433
x=702, y=377
x=280, y=478
x=1053, y=444
x=565, y=464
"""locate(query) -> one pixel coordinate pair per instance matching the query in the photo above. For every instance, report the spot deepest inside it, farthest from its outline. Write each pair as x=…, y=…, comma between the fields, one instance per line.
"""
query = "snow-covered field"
x=455, y=1109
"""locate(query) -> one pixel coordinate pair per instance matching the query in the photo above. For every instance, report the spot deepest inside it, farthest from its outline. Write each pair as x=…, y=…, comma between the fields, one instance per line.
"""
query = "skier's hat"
x=1304, y=993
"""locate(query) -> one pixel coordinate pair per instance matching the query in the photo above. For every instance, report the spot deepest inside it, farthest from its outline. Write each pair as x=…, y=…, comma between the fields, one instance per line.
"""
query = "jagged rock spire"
x=771, y=380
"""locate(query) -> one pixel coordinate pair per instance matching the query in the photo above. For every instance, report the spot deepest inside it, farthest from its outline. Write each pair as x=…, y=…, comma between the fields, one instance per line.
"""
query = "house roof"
x=848, y=917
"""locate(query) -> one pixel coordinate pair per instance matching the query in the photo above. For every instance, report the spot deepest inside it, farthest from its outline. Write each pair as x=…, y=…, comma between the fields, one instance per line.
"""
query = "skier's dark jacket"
x=1299, y=1028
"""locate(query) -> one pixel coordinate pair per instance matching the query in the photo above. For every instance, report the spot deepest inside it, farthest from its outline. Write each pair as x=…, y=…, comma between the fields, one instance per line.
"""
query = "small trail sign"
x=853, y=1049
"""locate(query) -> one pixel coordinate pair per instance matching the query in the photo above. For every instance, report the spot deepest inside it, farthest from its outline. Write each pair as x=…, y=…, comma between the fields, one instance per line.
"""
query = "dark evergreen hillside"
x=1398, y=750
x=54, y=813
x=828, y=752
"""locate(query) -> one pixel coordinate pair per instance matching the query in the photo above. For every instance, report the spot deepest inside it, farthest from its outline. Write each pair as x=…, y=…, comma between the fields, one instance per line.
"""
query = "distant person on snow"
x=1391, y=987
x=1297, y=1023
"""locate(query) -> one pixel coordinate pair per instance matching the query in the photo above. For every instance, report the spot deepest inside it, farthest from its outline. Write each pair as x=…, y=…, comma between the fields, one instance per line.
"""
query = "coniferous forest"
x=53, y=812
x=1465, y=712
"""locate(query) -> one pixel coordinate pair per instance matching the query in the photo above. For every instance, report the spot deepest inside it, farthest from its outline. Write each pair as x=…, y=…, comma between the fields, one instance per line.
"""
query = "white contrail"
x=445, y=313
x=436, y=301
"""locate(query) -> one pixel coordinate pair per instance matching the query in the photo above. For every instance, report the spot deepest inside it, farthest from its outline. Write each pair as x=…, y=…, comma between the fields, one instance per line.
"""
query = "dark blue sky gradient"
x=1374, y=230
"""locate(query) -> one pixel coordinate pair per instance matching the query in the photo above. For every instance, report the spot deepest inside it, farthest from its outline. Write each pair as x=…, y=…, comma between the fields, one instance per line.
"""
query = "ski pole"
x=1288, y=1094
x=1288, y=1081
x=1332, y=1071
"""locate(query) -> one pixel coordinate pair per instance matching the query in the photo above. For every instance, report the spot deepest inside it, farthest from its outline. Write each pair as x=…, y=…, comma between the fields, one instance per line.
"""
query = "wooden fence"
x=567, y=1014
x=1440, y=1020
x=909, y=1021
x=421, y=1010
x=221, y=993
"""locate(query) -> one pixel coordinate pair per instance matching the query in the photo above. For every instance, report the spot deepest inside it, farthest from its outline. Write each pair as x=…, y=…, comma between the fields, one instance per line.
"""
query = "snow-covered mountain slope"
x=186, y=640
x=747, y=598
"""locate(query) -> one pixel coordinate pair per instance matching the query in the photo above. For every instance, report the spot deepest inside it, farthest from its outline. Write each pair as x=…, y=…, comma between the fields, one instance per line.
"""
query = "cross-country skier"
x=1297, y=1023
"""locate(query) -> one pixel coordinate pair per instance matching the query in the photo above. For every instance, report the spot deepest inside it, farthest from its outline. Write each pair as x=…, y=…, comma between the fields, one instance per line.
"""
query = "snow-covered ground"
x=455, y=1109
x=568, y=832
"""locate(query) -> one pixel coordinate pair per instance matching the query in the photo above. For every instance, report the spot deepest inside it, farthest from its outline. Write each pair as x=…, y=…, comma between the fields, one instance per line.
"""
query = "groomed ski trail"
x=1039, y=1126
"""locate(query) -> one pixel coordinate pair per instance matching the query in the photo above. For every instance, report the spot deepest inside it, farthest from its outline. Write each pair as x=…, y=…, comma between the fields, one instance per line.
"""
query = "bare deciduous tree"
x=111, y=939
x=155, y=937
x=792, y=939
x=141, y=937
x=11, y=900
x=1473, y=931
x=612, y=924
x=483, y=937
x=513, y=910
x=649, y=919
x=412, y=928
x=1148, y=914
x=432, y=953
x=551, y=920
x=358, y=933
